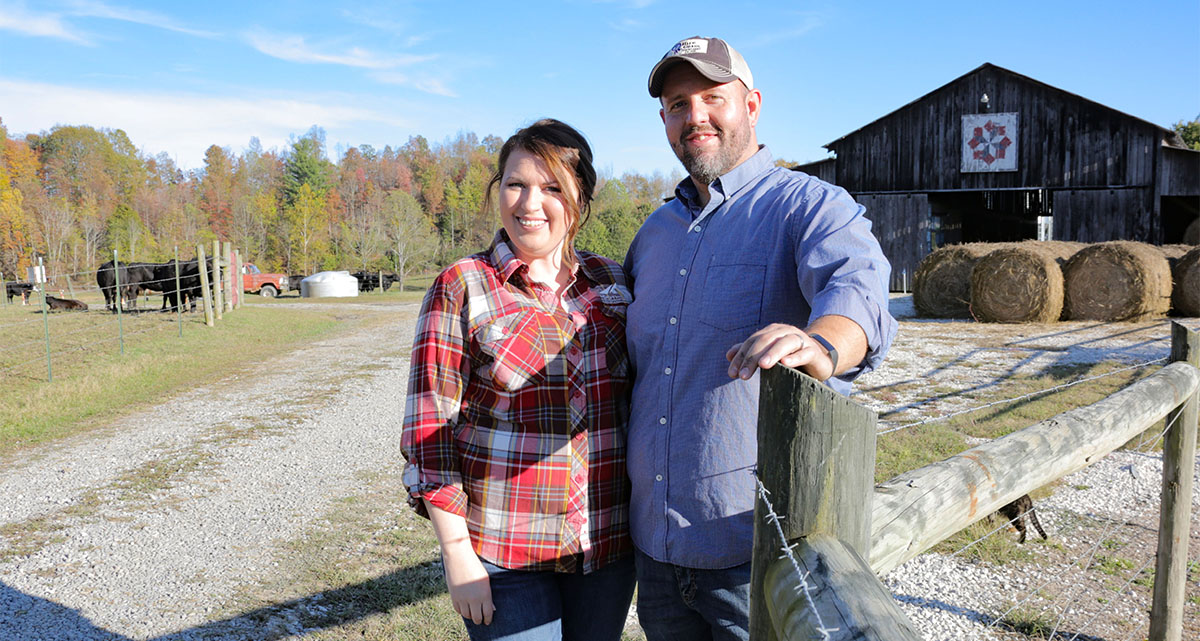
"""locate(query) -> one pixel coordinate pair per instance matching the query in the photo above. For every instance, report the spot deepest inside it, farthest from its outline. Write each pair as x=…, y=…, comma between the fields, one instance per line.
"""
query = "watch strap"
x=833, y=355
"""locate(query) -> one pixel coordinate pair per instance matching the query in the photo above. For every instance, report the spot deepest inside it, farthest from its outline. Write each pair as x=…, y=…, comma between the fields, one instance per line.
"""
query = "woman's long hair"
x=569, y=158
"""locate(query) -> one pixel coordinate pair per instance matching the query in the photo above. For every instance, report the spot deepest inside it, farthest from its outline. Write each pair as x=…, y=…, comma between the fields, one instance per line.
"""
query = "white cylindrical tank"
x=329, y=285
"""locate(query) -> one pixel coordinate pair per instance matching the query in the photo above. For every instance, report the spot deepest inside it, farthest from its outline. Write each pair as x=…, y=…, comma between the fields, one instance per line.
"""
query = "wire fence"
x=1092, y=577
x=37, y=338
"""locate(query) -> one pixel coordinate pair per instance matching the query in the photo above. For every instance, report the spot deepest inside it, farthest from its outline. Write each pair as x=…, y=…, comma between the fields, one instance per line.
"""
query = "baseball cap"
x=712, y=57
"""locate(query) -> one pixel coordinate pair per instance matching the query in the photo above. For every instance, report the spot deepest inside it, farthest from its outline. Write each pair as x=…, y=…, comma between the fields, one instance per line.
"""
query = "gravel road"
x=147, y=528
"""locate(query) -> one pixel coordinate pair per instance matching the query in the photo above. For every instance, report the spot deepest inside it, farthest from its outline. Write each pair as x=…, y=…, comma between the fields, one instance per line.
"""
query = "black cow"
x=16, y=288
x=189, y=284
x=135, y=278
x=369, y=281
x=65, y=304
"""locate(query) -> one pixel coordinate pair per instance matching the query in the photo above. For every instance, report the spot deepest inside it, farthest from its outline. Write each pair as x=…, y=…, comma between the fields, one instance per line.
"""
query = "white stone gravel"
x=163, y=565
x=143, y=566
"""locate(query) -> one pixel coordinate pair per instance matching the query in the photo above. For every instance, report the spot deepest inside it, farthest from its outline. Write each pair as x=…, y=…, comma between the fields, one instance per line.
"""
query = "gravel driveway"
x=147, y=528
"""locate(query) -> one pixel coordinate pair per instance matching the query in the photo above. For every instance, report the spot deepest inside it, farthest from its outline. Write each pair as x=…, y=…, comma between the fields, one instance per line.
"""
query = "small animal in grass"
x=65, y=304
x=1016, y=512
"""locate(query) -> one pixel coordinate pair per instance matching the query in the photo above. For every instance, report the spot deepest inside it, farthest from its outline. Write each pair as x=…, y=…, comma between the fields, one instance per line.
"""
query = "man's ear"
x=662, y=114
x=753, y=105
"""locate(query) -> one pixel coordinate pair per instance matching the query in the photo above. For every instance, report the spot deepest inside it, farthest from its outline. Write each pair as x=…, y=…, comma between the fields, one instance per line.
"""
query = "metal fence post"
x=1179, y=460
x=119, y=300
x=46, y=325
x=178, y=295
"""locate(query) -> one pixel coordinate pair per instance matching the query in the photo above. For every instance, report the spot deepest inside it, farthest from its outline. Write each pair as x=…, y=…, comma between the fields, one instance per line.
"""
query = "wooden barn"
x=996, y=156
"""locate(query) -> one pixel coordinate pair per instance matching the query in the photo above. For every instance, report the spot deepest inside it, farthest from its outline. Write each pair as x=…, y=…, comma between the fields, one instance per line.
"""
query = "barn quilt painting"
x=989, y=142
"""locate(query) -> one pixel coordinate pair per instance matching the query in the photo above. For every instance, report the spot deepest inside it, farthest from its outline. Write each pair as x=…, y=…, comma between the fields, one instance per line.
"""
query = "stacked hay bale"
x=1185, y=298
x=942, y=283
x=1117, y=280
x=1021, y=283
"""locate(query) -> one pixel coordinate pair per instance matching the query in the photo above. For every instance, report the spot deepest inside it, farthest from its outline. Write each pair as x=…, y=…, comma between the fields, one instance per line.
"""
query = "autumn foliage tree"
x=73, y=194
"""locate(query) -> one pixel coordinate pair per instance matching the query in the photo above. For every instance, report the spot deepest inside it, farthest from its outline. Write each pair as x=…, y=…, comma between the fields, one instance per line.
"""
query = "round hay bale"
x=942, y=282
x=1173, y=252
x=1021, y=283
x=1185, y=297
x=1191, y=235
x=1117, y=280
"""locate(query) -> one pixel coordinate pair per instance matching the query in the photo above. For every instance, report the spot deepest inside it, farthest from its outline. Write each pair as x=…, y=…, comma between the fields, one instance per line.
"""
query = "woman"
x=514, y=425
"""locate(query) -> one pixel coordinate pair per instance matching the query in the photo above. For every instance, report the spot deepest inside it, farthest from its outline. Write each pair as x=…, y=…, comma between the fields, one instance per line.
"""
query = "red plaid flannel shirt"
x=517, y=409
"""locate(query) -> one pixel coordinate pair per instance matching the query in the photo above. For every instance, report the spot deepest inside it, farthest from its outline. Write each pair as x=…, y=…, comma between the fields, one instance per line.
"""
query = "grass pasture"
x=93, y=381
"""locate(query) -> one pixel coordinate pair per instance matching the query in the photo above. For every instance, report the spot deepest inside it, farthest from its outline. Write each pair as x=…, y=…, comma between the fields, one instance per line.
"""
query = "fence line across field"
x=946, y=417
x=225, y=294
x=809, y=449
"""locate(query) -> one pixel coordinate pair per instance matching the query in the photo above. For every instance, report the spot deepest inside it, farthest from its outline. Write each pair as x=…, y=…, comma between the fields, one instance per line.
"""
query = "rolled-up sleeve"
x=437, y=377
x=843, y=272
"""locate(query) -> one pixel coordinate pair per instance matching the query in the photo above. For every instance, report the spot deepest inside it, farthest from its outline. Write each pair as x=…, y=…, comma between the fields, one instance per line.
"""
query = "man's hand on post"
x=787, y=344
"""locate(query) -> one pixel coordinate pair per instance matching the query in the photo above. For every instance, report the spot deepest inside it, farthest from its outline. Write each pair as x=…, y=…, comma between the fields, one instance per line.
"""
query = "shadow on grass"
x=1036, y=629
x=31, y=618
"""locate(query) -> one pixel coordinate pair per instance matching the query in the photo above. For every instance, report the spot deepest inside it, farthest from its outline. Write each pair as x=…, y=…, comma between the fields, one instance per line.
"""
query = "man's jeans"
x=549, y=606
x=686, y=604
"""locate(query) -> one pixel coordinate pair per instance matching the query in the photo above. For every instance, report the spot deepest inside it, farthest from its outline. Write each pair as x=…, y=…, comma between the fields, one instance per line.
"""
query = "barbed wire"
x=1090, y=554
x=1133, y=577
x=773, y=518
x=946, y=417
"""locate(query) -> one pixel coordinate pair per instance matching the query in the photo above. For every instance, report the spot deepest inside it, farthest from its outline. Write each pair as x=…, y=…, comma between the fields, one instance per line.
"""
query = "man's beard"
x=706, y=168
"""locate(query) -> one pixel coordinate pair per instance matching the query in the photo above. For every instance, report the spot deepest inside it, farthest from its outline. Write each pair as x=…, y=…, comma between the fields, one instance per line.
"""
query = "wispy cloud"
x=808, y=22
x=626, y=25
x=15, y=17
x=296, y=49
x=93, y=9
x=184, y=125
x=426, y=84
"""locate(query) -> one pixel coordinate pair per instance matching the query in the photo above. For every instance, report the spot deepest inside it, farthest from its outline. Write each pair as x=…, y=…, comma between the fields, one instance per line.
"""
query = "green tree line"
x=73, y=194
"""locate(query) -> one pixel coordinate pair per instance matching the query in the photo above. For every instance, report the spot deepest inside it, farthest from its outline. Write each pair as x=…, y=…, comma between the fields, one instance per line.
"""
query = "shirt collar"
x=506, y=263
x=728, y=183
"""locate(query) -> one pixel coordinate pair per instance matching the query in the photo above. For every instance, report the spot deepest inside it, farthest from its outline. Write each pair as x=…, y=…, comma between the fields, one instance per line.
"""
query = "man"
x=749, y=266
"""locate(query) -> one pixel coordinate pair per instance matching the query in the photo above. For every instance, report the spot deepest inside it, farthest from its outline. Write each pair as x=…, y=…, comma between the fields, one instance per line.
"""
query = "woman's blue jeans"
x=549, y=606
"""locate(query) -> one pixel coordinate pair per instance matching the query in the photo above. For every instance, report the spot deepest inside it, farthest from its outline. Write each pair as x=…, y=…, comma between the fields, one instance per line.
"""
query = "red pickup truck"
x=267, y=285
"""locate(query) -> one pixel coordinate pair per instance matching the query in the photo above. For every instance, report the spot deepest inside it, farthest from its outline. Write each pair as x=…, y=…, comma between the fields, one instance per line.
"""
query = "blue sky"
x=178, y=77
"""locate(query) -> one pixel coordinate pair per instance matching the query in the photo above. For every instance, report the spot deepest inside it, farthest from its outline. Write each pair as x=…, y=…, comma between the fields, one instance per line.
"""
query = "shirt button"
x=674, y=320
x=574, y=351
x=658, y=478
x=662, y=420
x=697, y=228
x=683, y=272
x=667, y=371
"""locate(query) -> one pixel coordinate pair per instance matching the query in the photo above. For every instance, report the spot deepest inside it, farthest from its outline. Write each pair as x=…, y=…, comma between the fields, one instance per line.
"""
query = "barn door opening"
x=989, y=216
x=1181, y=219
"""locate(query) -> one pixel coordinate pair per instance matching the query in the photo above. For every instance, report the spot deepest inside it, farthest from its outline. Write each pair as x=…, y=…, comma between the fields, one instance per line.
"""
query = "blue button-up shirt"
x=771, y=245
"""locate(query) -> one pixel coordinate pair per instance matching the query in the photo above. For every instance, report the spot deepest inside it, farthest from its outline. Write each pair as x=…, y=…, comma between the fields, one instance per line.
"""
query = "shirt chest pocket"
x=513, y=350
x=733, y=293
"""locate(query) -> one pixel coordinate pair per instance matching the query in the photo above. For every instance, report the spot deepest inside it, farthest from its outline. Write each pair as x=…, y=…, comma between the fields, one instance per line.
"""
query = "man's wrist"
x=833, y=355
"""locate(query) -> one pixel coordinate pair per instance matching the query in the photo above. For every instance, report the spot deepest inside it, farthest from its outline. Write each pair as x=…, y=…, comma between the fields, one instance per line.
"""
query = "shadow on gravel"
x=1035, y=629
x=31, y=618
x=327, y=609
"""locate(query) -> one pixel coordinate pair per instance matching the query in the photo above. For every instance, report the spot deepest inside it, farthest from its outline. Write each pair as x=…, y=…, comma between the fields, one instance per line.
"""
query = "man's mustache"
x=699, y=130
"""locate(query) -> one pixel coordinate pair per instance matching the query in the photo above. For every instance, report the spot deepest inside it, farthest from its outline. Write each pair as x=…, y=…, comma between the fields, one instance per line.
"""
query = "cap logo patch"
x=692, y=46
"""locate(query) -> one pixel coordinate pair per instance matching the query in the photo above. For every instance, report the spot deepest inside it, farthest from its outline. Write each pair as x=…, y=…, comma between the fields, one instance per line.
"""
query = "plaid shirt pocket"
x=515, y=344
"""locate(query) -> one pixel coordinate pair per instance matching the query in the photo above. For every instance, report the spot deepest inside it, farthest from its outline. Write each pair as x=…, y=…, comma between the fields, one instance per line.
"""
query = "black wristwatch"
x=829, y=347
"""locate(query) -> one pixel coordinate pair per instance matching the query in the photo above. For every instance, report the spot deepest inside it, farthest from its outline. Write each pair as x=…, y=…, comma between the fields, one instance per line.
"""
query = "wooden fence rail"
x=816, y=448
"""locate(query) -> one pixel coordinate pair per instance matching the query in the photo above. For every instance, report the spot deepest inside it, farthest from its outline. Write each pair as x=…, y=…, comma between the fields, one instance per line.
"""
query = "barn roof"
x=1171, y=138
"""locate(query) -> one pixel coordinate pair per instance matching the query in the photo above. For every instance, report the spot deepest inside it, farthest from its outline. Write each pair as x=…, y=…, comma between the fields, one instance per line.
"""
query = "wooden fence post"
x=816, y=458
x=205, y=292
x=1179, y=461
x=239, y=283
x=217, y=283
x=230, y=273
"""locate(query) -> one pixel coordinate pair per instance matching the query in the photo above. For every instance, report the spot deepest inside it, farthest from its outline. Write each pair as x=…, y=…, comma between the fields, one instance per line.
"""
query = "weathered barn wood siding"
x=901, y=223
x=824, y=169
x=1179, y=172
x=1097, y=215
x=1063, y=141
